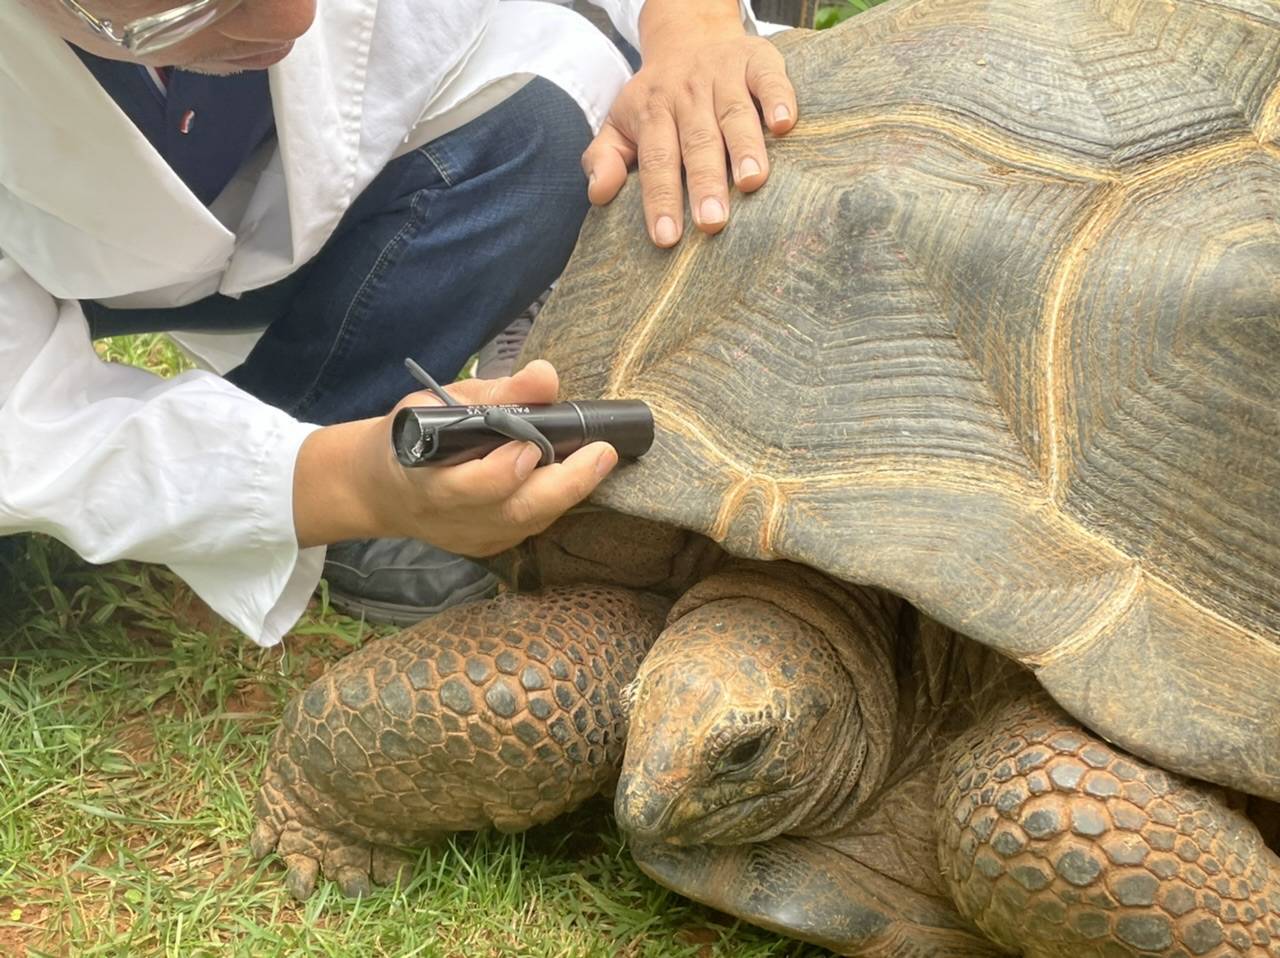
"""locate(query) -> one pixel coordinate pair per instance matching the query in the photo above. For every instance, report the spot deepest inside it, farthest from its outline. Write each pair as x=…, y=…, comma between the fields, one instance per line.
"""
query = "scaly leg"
x=505, y=713
x=1058, y=845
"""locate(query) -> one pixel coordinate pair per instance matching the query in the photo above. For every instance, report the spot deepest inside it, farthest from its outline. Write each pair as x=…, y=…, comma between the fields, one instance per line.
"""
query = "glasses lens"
x=151, y=34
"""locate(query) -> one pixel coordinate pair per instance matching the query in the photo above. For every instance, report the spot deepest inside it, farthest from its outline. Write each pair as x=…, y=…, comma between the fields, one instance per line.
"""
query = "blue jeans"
x=441, y=251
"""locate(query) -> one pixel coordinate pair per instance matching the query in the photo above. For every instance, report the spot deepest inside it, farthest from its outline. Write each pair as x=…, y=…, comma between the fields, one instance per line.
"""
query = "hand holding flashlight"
x=349, y=483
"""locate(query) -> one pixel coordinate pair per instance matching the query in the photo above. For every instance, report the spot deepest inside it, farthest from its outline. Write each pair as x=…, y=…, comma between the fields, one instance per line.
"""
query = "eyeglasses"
x=149, y=34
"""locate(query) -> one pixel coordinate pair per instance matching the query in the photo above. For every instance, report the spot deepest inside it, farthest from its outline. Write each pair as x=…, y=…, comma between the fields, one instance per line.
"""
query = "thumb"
x=606, y=162
x=535, y=383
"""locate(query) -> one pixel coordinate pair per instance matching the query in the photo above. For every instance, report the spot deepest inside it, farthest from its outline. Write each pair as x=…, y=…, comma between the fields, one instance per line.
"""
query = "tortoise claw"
x=391, y=867
x=353, y=882
x=301, y=876
x=263, y=840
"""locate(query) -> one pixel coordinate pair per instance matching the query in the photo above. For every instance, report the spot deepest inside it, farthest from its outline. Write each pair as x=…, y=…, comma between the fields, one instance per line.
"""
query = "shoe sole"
x=392, y=613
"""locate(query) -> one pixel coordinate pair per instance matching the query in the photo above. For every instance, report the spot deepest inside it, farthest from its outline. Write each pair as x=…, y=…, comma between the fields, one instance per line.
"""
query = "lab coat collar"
x=344, y=99
x=72, y=162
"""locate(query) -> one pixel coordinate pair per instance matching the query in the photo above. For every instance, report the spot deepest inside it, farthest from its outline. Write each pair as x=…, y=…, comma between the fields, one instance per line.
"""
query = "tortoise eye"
x=743, y=753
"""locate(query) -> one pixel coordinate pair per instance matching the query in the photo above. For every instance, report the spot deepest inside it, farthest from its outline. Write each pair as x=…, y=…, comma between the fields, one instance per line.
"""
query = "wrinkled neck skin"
x=947, y=683
x=768, y=706
x=591, y=545
x=944, y=682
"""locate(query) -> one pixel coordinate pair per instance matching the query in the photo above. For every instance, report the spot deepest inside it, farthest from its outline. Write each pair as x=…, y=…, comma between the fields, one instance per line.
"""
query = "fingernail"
x=605, y=462
x=527, y=460
x=748, y=168
x=712, y=211
x=591, y=180
x=664, y=231
x=781, y=114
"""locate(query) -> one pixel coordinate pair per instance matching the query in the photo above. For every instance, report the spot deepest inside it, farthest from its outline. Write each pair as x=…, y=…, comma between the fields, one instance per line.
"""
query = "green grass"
x=831, y=14
x=133, y=729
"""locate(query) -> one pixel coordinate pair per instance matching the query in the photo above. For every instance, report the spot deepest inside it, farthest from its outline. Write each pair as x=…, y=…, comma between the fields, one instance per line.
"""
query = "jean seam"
x=359, y=303
x=441, y=167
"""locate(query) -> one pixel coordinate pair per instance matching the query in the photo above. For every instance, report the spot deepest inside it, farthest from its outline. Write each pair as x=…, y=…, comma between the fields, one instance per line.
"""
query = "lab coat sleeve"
x=118, y=463
x=625, y=15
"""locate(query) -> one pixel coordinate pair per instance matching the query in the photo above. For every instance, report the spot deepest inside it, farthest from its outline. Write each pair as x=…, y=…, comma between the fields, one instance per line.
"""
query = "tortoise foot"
x=1058, y=845
x=274, y=807
x=285, y=825
x=356, y=866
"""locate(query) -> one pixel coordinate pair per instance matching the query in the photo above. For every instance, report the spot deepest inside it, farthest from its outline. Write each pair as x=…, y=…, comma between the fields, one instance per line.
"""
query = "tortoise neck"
x=599, y=547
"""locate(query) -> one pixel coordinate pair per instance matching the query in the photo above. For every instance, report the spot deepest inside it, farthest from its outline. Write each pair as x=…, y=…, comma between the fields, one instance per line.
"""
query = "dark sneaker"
x=401, y=581
x=497, y=357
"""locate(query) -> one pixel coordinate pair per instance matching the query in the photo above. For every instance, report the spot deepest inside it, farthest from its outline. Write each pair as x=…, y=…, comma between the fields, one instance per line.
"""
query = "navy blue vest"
x=205, y=128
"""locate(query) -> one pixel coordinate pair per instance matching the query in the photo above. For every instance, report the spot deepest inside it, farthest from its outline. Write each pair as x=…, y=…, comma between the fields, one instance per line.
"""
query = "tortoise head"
x=742, y=720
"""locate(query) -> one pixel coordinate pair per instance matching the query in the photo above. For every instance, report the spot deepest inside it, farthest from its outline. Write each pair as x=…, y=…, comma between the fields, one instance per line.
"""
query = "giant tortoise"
x=995, y=355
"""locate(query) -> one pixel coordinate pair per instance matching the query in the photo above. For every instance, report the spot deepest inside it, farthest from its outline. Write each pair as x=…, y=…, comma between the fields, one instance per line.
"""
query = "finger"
x=659, y=157
x=606, y=162
x=743, y=135
x=535, y=383
x=487, y=481
x=768, y=82
x=553, y=489
x=702, y=149
x=420, y=398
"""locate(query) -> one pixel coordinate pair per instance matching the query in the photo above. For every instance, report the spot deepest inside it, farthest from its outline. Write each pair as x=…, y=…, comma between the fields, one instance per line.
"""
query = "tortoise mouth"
x=719, y=826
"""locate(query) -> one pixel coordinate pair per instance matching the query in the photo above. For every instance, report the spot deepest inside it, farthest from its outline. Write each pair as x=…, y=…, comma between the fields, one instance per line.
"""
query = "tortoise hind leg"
x=1061, y=846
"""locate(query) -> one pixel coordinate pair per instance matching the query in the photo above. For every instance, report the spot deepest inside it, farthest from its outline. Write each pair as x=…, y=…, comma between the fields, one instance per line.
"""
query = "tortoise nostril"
x=641, y=811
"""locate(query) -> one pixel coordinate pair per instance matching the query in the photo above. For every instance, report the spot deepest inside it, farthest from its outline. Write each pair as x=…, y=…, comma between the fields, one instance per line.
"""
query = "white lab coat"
x=192, y=472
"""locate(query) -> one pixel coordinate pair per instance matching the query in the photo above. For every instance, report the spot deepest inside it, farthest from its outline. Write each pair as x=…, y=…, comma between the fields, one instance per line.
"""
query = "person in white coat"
x=339, y=185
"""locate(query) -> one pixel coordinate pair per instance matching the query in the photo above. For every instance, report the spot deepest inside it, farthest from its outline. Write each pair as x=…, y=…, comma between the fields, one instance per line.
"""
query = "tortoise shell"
x=1000, y=334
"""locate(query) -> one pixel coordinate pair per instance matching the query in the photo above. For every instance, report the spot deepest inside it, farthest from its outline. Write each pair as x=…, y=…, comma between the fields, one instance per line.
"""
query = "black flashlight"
x=445, y=435
x=453, y=433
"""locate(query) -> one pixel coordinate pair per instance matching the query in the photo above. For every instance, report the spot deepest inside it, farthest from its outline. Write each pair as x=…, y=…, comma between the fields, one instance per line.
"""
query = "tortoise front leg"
x=1061, y=846
x=505, y=713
